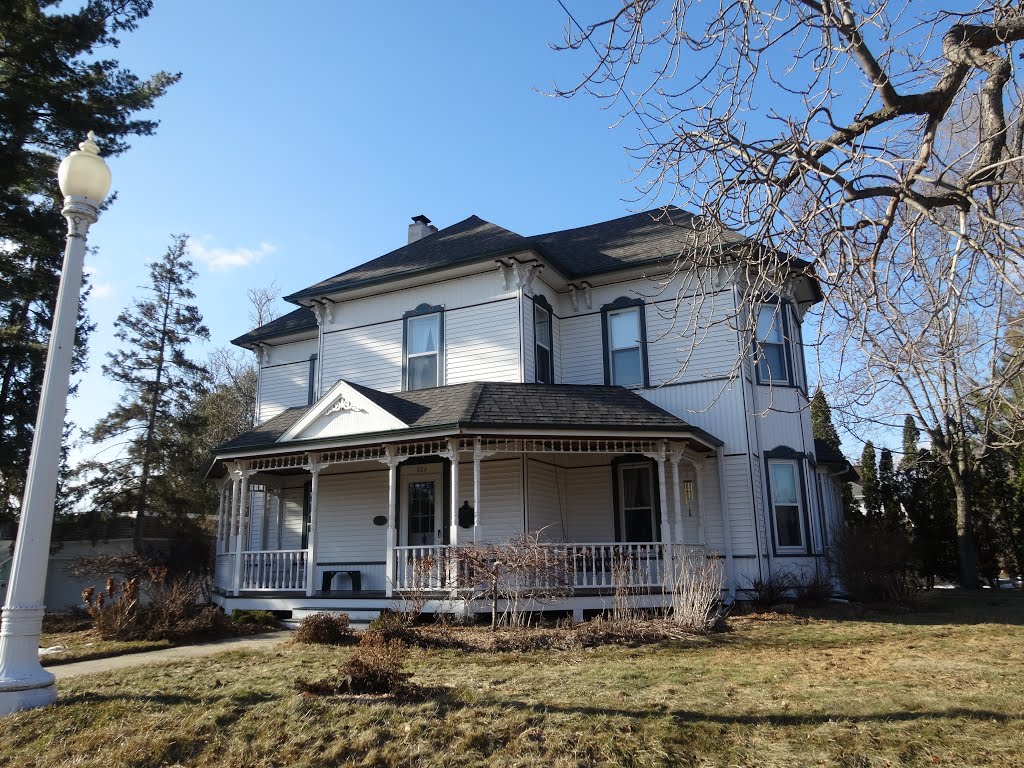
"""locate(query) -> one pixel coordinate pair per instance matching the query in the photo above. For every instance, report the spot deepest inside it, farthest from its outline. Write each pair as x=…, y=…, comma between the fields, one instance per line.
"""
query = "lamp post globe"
x=84, y=180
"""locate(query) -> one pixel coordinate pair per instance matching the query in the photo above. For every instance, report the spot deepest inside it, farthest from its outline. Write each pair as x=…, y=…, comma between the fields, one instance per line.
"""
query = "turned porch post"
x=221, y=509
x=666, y=532
x=243, y=474
x=313, y=467
x=677, y=498
x=477, y=456
x=453, y=527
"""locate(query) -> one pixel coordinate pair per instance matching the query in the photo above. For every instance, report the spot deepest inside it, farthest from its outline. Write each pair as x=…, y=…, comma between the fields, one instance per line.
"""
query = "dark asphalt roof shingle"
x=296, y=321
x=501, y=405
x=470, y=240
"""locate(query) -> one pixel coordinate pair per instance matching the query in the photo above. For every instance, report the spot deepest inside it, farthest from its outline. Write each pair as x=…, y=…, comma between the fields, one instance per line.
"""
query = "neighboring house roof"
x=503, y=405
x=301, y=319
x=828, y=456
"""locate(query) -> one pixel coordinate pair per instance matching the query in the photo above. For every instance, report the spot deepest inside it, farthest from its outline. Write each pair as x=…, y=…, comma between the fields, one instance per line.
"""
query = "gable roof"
x=472, y=239
x=499, y=405
x=826, y=455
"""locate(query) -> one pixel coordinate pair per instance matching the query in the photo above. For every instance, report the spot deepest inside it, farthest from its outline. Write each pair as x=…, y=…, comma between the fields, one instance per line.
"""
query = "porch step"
x=356, y=616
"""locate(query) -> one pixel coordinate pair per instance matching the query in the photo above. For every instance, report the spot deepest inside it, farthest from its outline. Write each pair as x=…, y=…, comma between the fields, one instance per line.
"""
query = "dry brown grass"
x=942, y=686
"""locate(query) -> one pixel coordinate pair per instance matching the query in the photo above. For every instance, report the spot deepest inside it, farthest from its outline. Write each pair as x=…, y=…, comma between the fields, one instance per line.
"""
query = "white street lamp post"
x=84, y=181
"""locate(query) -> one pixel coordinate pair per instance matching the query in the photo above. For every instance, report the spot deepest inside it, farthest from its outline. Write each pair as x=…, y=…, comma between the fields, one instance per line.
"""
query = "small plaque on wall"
x=380, y=520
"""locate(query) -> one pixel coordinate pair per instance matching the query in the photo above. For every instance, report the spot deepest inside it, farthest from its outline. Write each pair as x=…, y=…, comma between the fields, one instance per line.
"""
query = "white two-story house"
x=475, y=384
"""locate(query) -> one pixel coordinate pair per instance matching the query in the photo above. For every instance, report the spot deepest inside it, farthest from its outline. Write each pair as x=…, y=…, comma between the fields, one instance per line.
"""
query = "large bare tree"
x=879, y=141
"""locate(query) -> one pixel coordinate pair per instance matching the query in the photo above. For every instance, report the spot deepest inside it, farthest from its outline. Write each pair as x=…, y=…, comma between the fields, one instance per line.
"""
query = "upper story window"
x=774, y=359
x=543, y=359
x=424, y=347
x=787, y=506
x=625, y=343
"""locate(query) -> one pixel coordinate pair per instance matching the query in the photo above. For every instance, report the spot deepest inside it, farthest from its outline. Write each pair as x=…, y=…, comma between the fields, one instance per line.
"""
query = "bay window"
x=787, y=506
x=774, y=359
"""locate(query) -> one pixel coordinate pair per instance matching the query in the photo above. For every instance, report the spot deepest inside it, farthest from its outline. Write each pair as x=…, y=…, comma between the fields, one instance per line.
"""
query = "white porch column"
x=392, y=460
x=229, y=532
x=242, y=521
x=730, y=580
x=453, y=528
x=698, y=488
x=279, y=501
x=477, y=456
x=314, y=468
x=677, y=498
x=666, y=532
x=221, y=506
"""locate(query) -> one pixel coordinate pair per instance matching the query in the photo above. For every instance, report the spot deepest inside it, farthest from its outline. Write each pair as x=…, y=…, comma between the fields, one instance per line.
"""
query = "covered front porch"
x=381, y=523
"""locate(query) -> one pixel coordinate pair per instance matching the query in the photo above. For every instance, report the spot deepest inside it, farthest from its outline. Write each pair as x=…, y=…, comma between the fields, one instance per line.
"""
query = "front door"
x=422, y=505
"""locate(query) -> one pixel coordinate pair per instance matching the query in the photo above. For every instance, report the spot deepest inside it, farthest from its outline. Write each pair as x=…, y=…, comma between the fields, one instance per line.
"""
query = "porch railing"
x=630, y=565
x=274, y=571
x=224, y=571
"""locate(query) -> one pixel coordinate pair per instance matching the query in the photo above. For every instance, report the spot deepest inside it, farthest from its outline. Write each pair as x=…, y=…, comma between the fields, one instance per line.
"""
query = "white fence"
x=274, y=571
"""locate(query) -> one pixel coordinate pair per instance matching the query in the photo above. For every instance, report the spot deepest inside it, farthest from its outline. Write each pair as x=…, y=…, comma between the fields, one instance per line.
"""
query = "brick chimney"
x=420, y=228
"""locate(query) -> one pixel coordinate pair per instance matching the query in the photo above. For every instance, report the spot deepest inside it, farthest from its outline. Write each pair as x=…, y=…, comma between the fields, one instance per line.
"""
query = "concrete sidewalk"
x=113, y=663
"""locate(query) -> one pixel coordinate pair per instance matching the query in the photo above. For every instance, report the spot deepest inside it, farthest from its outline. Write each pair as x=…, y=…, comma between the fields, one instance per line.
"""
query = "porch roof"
x=496, y=405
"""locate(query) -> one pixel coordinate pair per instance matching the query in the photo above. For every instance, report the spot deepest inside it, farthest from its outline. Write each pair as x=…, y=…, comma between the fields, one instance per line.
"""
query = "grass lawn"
x=943, y=685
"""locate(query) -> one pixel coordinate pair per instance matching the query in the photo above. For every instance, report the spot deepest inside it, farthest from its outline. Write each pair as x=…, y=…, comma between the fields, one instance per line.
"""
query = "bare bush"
x=375, y=667
x=694, y=581
x=774, y=589
x=324, y=629
x=874, y=564
x=520, y=573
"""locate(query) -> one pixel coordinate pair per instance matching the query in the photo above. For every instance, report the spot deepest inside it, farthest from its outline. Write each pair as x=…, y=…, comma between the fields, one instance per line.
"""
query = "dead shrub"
x=772, y=590
x=694, y=582
x=812, y=589
x=375, y=667
x=157, y=607
x=324, y=629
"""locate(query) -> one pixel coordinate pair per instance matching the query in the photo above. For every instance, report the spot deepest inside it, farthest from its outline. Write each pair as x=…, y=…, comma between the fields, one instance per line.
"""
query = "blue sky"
x=303, y=137
x=301, y=140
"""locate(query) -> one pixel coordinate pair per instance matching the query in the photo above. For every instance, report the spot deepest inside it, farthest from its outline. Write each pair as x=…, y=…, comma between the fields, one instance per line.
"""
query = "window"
x=784, y=479
x=311, y=390
x=773, y=353
x=636, y=509
x=624, y=343
x=424, y=344
x=543, y=362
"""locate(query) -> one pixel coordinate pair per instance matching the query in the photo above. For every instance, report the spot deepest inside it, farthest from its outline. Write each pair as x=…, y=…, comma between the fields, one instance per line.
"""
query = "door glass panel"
x=637, y=507
x=421, y=512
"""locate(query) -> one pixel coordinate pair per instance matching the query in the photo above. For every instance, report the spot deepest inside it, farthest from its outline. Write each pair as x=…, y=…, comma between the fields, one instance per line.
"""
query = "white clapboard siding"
x=257, y=515
x=691, y=341
x=741, y=513
x=346, y=507
x=784, y=410
x=501, y=498
x=714, y=406
x=544, y=512
x=482, y=343
x=529, y=347
x=589, y=507
x=450, y=294
x=290, y=352
x=582, y=357
x=371, y=356
x=283, y=386
x=292, y=534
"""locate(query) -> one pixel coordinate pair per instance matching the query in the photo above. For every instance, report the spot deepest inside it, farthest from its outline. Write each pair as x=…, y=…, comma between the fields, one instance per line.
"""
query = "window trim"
x=423, y=310
x=311, y=391
x=618, y=305
x=624, y=462
x=779, y=309
x=789, y=457
x=541, y=303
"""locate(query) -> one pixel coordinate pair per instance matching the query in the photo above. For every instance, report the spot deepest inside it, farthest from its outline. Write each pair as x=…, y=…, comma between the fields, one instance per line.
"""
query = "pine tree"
x=824, y=430
x=888, y=491
x=57, y=82
x=911, y=438
x=158, y=473
x=821, y=421
x=869, y=484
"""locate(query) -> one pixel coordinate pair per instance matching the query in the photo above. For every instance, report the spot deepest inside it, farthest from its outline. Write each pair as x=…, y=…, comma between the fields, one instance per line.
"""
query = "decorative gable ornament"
x=342, y=405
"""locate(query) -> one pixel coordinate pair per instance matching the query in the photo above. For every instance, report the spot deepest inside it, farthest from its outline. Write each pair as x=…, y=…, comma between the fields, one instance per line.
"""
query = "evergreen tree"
x=911, y=437
x=54, y=87
x=821, y=421
x=158, y=473
x=888, y=490
x=824, y=430
x=869, y=484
